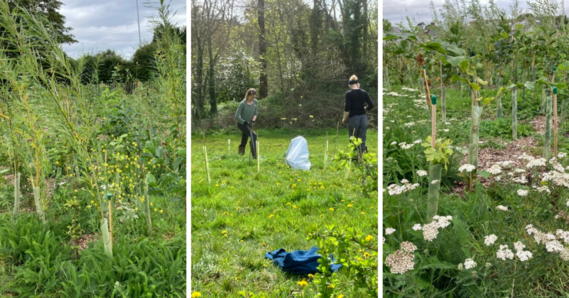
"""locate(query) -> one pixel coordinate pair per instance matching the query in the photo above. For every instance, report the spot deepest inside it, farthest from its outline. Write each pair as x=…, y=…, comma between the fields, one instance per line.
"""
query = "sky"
x=396, y=10
x=99, y=25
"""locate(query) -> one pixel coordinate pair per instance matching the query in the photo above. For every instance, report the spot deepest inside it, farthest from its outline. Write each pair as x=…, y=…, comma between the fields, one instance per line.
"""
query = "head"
x=353, y=83
x=251, y=94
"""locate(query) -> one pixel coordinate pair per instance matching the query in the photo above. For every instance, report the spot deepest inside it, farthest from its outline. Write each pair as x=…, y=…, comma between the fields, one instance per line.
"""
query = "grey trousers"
x=357, y=126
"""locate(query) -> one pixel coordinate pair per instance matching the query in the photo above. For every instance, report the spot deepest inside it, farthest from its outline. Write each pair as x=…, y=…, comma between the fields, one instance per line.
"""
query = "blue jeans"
x=357, y=126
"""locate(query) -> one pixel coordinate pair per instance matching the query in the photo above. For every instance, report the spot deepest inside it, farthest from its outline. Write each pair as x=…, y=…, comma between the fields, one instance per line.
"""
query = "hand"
x=344, y=121
x=244, y=122
x=365, y=109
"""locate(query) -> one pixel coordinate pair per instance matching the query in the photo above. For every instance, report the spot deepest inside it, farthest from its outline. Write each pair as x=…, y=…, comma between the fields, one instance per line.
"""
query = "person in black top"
x=355, y=112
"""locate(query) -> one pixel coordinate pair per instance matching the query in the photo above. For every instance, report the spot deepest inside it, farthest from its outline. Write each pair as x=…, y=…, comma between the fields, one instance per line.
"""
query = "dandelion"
x=302, y=283
x=369, y=238
x=331, y=209
x=293, y=206
x=271, y=216
x=196, y=294
x=349, y=205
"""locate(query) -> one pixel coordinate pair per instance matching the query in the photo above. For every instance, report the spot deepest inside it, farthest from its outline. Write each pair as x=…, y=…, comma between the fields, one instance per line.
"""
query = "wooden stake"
x=110, y=224
x=426, y=83
x=258, y=157
x=326, y=152
x=206, y=164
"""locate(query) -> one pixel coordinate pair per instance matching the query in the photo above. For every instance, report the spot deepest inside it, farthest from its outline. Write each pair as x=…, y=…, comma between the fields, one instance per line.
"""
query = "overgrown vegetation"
x=92, y=191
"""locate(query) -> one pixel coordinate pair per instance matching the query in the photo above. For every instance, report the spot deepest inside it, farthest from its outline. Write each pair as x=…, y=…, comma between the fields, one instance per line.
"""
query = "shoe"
x=241, y=150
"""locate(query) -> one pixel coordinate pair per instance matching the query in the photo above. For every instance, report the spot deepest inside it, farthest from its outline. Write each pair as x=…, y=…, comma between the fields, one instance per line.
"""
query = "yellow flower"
x=369, y=238
x=288, y=203
x=151, y=204
x=366, y=255
x=294, y=206
x=310, y=276
x=135, y=208
x=331, y=209
x=241, y=240
x=349, y=205
x=271, y=216
x=340, y=296
x=155, y=209
x=362, y=213
x=224, y=232
x=196, y=294
x=161, y=211
x=302, y=283
x=331, y=286
x=294, y=185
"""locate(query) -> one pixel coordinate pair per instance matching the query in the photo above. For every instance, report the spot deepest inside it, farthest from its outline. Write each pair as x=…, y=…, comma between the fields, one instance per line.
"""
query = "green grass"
x=275, y=208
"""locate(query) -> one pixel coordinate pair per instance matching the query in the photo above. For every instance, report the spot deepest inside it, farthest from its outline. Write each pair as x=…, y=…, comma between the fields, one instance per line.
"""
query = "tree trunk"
x=263, y=80
x=211, y=81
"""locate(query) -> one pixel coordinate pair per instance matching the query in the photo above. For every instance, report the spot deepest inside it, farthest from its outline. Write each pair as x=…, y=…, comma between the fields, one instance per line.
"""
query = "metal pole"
x=138, y=18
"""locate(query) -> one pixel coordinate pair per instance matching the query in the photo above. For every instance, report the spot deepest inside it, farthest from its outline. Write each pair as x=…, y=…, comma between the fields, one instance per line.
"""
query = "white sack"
x=297, y=154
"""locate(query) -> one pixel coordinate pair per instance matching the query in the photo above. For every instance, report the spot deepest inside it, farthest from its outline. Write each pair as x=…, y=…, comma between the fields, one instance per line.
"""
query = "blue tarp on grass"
x=298, y=261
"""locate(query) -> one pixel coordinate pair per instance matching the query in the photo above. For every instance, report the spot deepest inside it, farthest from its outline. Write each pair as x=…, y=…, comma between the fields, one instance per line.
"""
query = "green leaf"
x=434, y=46
x=481, y=81
x=475, y=86
x=457, y=78
x=463, y=65
x=484, y=174
x=529, y=85
x=150, y=179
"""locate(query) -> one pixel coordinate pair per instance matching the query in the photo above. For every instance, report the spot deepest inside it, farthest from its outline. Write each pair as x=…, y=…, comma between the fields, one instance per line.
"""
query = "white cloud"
x=99, y=25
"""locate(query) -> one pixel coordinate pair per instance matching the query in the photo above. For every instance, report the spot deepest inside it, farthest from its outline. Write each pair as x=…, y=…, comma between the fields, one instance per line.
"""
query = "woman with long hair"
x=355, y=112
x=246, y=115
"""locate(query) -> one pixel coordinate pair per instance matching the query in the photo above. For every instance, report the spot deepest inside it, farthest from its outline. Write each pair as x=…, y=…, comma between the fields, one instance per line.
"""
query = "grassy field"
x=242, y=213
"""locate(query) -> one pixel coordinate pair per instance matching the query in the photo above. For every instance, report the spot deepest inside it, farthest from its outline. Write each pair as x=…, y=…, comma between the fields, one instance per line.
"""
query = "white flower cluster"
x=522, y=192
x=466, y=167
x=534, y=163
x=520, y=253
x=543, y=189
x=490, y=239
x=495, y=169
x=408, y=246
x=561, y=154
x=393, y=93
x=400, y=262
x=506, y=164
x=521, y=180
x=431, y=230
x=503, y=208
x=409, y=124
x=417, y=227
x=557, y=178
x=551, y=241
x=504, y=253
x=469, y=263
x=526, y=157
x=389, y=231
x=405, y=146
x=395, y=189
x=409, y=89
x=422, y=173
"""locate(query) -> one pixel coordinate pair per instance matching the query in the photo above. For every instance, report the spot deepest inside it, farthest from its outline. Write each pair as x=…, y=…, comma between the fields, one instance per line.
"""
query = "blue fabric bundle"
x=298, y=261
